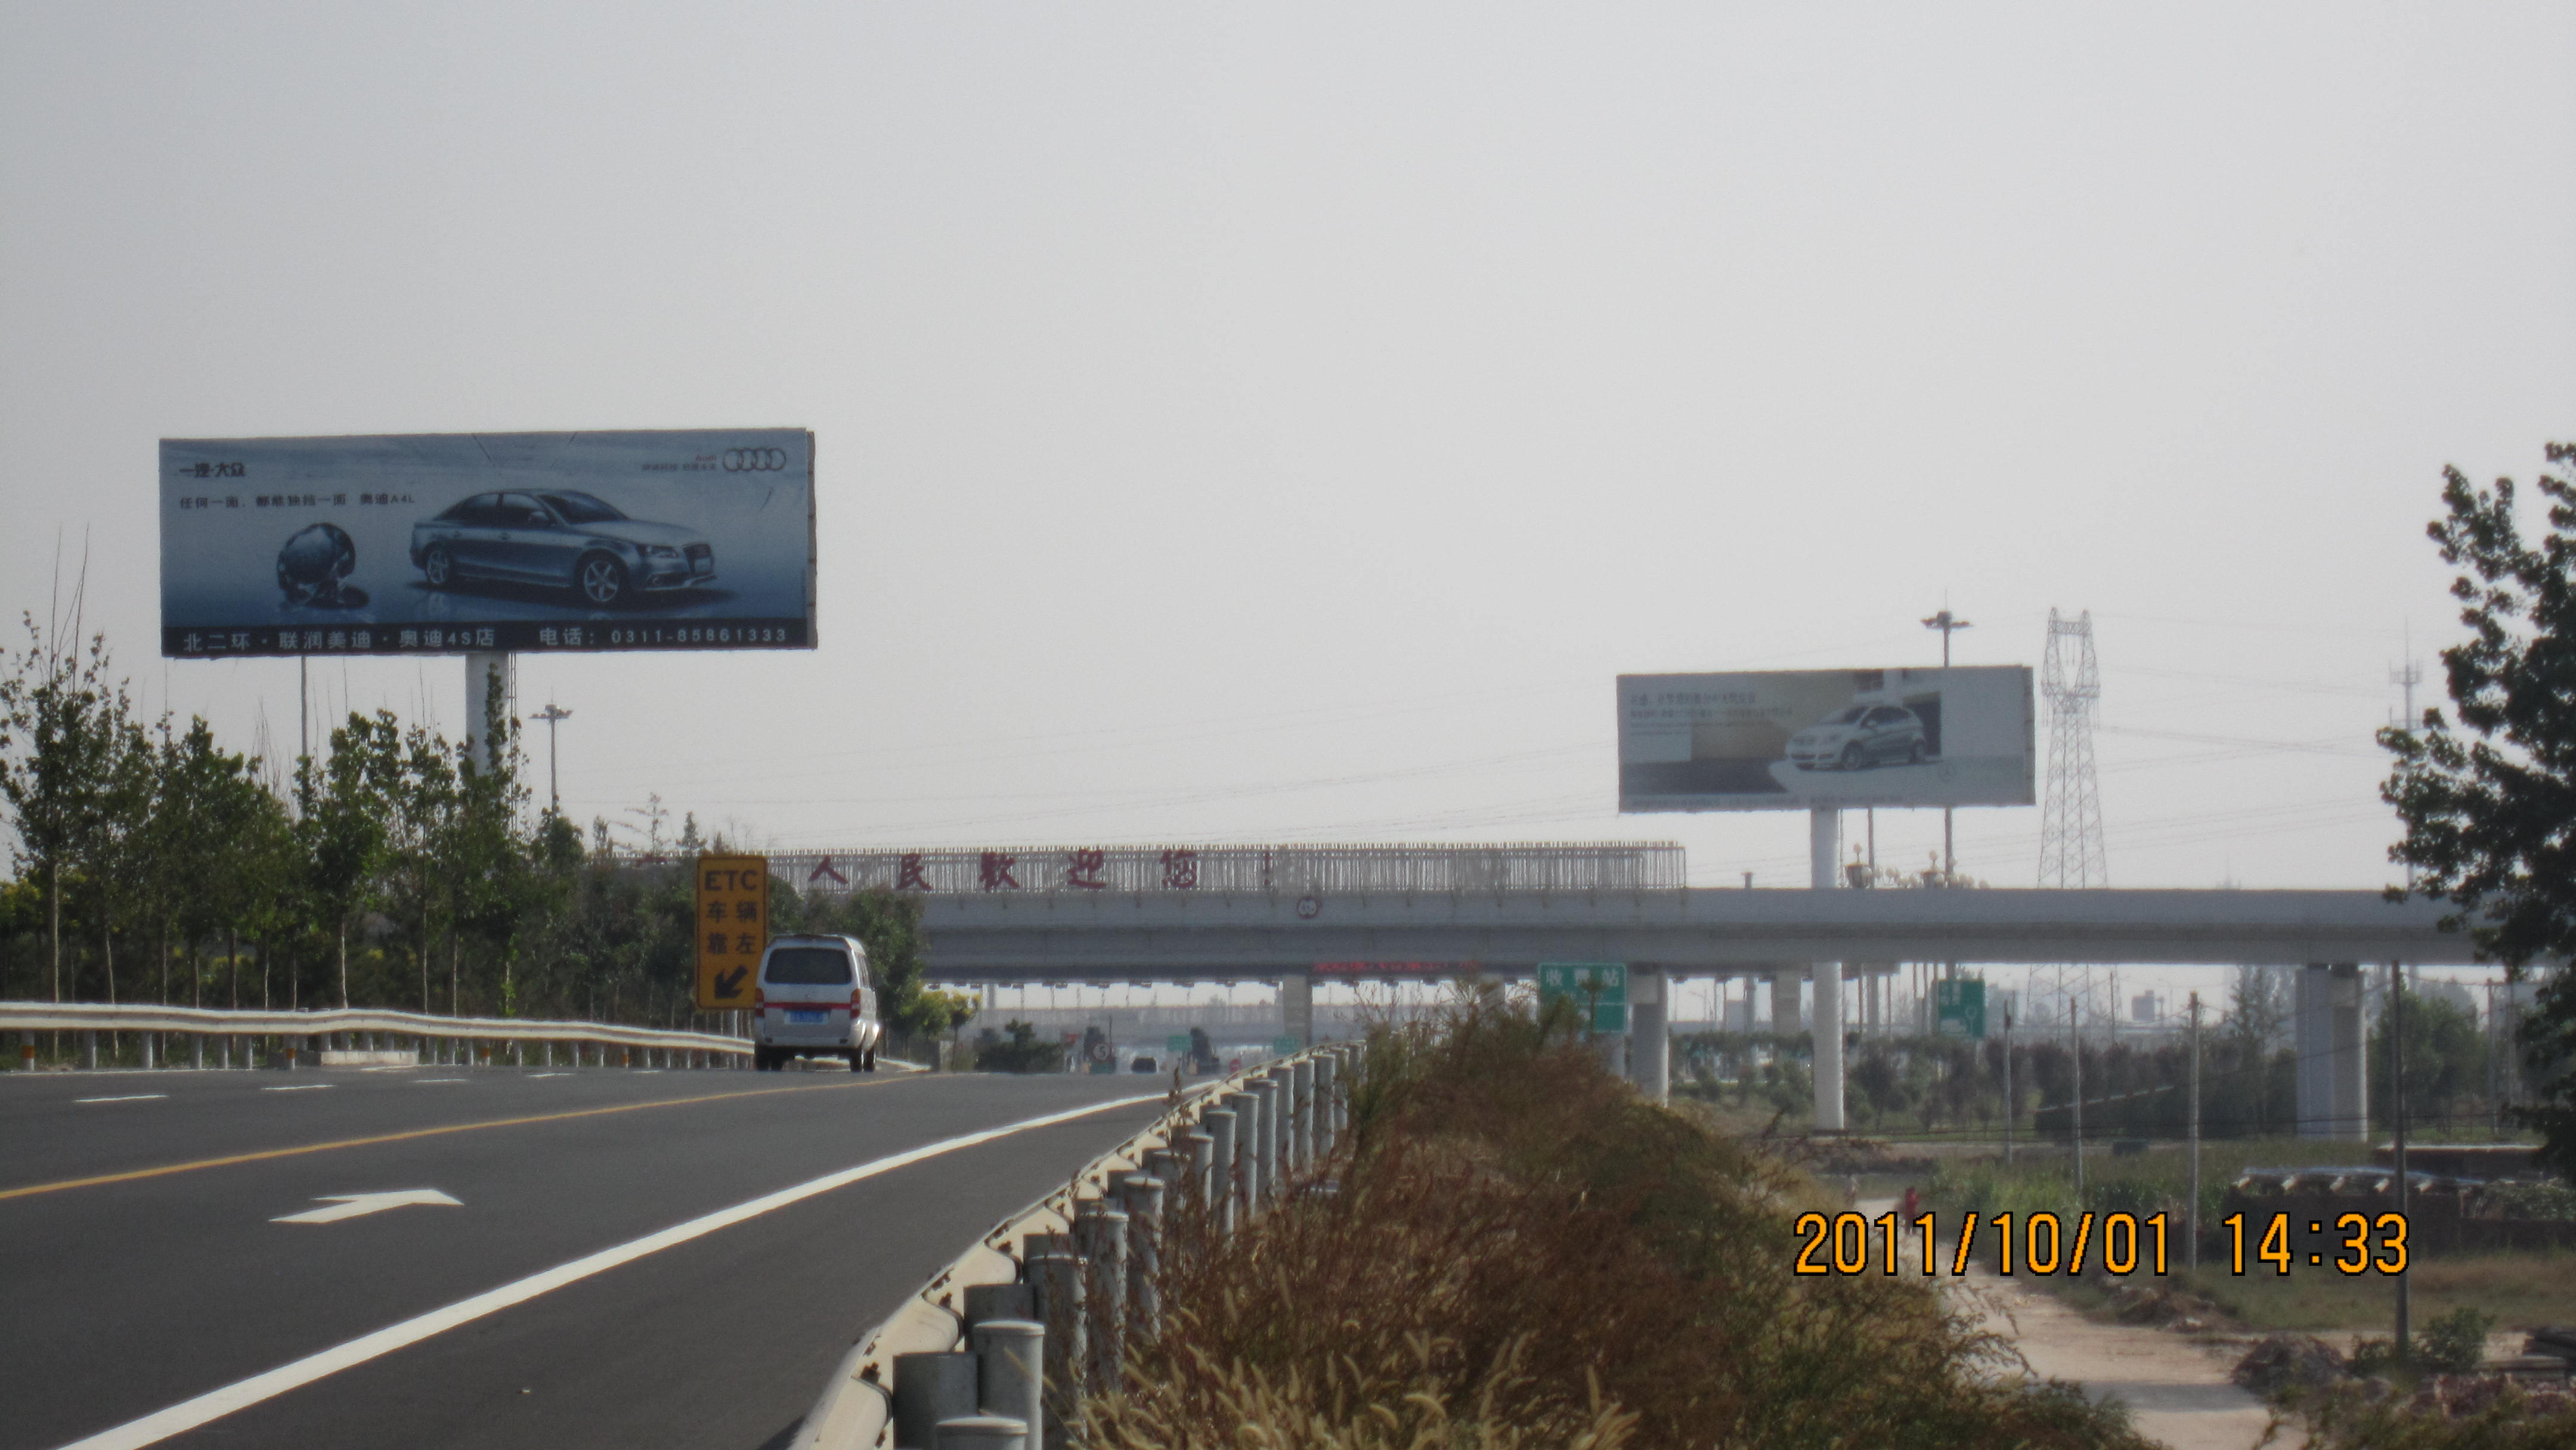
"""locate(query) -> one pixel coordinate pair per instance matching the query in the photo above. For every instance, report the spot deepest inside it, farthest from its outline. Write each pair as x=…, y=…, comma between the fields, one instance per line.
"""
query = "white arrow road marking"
x=356, y=1205
x=242, y=1394
x=128, y=1098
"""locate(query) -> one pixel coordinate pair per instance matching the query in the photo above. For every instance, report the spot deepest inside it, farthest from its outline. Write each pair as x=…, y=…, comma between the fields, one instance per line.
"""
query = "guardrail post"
x=1202, y=1165
x=930, y=1388
x=1143, y=1196
x=1102, y=1233
x=1301, y=1142
x=1000, y=1301
x=1242, y=1169
x=1267, y=1091
x=981, y=1432
x=89, y=1048
x=1062, y=1309
x=145, y=1039
x=1012, y=1369
x=1218, y=1126
x=1327, y=1131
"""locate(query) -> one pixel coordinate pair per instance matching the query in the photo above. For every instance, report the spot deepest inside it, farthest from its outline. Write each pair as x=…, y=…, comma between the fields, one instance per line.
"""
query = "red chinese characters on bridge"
x=1082, y=870
x=909, y=877
x=993, y=873
x=1180, y=870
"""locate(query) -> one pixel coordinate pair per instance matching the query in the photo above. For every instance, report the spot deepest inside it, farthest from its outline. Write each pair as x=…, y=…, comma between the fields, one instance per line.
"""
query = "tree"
x=58, y=749
x=2446, y=1062
x=2489, y=800
x=340, y=835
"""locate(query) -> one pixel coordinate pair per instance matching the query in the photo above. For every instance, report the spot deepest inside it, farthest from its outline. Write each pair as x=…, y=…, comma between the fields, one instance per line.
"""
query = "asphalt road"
x=125, y=1290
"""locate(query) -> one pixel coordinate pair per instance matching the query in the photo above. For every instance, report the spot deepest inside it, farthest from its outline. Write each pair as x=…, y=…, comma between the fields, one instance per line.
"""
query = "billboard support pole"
x=1824, y=847
x=488, y=675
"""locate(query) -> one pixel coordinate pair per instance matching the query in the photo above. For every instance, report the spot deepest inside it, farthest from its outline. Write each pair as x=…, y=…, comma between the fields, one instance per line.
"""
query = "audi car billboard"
x=1806, y=739
x=438, y=543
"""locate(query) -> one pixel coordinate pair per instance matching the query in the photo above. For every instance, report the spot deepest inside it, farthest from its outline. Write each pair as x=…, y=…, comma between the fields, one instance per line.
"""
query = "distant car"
x=1144, y=1063
x=814, y=1001
x=1862, y=736
x=560, y=538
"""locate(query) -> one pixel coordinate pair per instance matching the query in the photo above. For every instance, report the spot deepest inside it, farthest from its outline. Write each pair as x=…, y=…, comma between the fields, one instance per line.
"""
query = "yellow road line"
x=267, y=1153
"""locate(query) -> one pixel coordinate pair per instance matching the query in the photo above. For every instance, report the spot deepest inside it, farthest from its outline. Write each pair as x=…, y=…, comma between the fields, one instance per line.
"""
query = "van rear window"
x=807, y=967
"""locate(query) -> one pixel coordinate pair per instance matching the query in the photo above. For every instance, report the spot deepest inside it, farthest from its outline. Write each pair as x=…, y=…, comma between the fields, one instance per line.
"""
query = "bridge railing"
x=1309, y=870
x=299, y=1029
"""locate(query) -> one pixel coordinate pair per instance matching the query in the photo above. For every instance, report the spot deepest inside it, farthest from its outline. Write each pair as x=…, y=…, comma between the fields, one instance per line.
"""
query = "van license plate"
x=801, y=1018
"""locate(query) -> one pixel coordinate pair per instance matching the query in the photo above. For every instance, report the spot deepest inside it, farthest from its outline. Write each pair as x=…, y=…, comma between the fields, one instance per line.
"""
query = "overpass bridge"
x=1294, y=915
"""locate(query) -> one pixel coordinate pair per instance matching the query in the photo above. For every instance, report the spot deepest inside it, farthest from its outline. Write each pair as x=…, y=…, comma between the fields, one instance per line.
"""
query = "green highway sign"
x=1177, y=1042
x=1283, y=1045
x=1600, y=986
x=1960, y=1003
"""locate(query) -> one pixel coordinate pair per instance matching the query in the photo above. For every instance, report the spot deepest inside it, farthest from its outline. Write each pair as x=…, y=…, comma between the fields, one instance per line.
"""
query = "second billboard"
x=1807, y=739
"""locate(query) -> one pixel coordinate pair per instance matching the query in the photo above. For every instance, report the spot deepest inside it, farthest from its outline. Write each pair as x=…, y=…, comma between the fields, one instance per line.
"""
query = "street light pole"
x=1949, y=624
x=552, y=714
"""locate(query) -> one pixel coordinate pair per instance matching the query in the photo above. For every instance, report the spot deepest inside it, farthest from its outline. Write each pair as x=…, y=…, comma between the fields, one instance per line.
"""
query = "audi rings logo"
x=755, y=460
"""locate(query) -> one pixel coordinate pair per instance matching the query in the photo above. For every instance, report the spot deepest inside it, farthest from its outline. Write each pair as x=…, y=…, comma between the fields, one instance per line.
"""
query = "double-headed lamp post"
x=552, y=714
x=1949, y=624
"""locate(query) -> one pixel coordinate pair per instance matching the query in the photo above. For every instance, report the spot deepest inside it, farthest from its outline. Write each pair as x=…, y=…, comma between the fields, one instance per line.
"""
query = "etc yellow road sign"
x=733, y=929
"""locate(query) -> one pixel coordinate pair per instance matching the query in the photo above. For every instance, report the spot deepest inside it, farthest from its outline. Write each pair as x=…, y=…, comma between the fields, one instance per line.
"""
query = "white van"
x=814, y=1000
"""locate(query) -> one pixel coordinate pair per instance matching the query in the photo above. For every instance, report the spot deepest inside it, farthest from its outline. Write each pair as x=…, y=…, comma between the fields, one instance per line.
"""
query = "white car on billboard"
x=563, y=538
x=1860, y=737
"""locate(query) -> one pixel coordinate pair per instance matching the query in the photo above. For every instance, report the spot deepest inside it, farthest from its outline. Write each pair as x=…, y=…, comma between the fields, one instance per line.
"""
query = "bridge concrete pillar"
x=1650, y=1038
x=1824, y=848
x=2333, y=1052
x=1784, y=1000
x=1297, y=1007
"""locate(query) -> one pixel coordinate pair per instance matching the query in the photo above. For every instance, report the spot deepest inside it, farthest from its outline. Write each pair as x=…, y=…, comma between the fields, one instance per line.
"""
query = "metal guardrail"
x=857, y=1408
x=1291, y=871
x=300, y=1027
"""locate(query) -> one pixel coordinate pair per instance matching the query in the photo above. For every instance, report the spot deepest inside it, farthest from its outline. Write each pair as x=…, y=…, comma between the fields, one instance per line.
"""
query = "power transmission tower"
x=2070, y=822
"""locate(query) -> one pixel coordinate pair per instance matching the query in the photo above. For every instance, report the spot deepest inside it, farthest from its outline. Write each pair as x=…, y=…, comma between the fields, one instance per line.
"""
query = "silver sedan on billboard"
x=562, y=538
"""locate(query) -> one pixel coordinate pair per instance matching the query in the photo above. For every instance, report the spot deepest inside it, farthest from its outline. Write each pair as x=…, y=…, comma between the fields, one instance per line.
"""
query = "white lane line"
x=215, y=1404
x=437, y=1079
x=359, y=1205
x=535, y=1075
x=301, y=1087
x=127, y=1098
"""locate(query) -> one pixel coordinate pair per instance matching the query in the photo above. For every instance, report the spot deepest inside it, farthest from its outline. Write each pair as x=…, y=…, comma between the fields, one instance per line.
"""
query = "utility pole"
x=2191, y=1219
x=2397, y=1114
x=2406, y=677
x=2008, y=1096
x=1949, y=624
x=553, y=714
x=2075, y=1025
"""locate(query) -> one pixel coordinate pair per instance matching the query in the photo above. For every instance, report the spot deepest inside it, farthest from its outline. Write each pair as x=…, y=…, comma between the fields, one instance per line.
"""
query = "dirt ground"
x=2176, y=1389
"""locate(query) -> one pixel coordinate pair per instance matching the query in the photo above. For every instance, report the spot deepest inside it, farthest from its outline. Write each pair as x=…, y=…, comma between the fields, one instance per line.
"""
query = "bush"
x=1520, y=1251
x=2286, y=1365
x=1020, y=1052
x=2456, y=1343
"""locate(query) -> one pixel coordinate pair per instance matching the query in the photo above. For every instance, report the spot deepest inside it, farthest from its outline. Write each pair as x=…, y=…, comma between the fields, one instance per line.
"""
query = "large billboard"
x=444, y=542
x=1808, y=739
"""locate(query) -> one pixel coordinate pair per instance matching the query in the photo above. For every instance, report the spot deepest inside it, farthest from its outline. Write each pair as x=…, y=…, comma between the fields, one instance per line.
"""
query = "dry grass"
x=1522, y=1253
x=2522, y=1290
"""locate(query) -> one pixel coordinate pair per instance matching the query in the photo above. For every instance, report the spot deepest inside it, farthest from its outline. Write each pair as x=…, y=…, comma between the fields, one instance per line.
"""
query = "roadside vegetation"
x=1514, y=1249
x=393, y=869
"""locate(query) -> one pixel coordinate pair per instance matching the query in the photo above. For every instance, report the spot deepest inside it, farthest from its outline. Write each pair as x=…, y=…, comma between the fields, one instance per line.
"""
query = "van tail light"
x=855, y=996
x=759, y=1000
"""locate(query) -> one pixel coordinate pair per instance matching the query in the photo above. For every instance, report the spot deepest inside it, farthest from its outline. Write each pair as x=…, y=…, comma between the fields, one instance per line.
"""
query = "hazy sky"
x=1281, y=423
